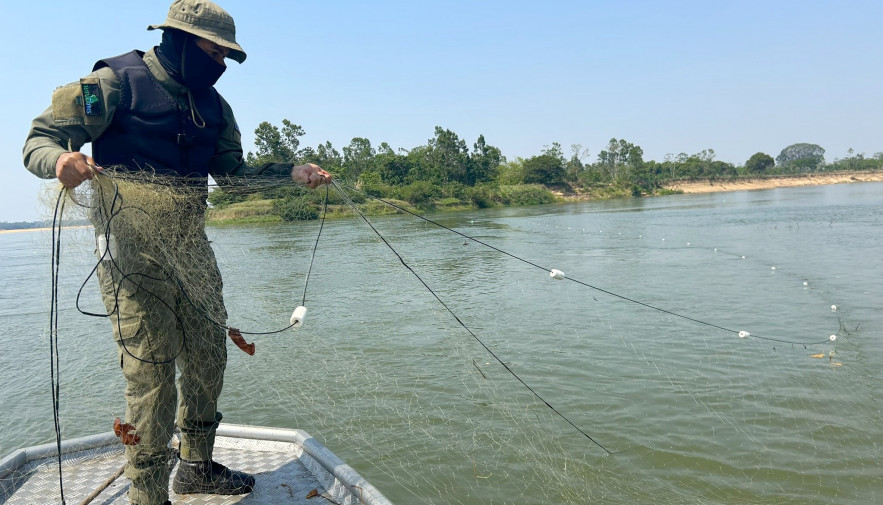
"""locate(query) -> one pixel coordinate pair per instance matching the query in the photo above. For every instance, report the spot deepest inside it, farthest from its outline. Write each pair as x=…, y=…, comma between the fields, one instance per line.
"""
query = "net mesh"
x=394, y=385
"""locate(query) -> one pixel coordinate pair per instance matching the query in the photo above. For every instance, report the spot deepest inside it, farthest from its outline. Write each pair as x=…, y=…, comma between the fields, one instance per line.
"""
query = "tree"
x=305, y=155
x=543, y=169
x=620, y=159
x=719, y=168
x=357, y=157
x=392, y=167
x=802, y=157
x=574, y=167
x=511, y=172
x=275, y=145
x=647, y=178
x=484, y=163
x=447, y=157
x=670, y=165
x=699, y=165
x=858, y=161
x=554, y=150
x=705, y=162
x=328, y=157
x=418, y=160
x=759, y=163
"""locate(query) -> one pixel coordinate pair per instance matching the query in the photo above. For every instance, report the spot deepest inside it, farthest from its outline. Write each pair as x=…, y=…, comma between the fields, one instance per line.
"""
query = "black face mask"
x=198, y=70
x=186, y=62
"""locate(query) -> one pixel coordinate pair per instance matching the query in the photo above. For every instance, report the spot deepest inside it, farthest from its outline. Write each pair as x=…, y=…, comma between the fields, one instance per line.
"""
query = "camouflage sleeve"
x=228, y=163
x=79, y=113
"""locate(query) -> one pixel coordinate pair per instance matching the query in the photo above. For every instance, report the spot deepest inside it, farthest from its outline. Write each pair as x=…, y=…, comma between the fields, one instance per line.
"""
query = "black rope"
x=355, y=208
x=115, y=208
x=596, y=288
x=110, y=209
x=309, y=270
x=54, y=357
x=316, y=244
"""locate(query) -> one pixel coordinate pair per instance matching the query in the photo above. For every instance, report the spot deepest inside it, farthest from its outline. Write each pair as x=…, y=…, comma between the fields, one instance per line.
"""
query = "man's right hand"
x=74, y=168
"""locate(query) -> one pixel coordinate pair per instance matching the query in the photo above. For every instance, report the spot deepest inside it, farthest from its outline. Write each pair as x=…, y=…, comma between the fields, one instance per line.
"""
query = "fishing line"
x=116, y=207
x=349, y=201
x=54, y=355
x=110, y=209
x=306, y=280
x=316, y=244
x=740, y=333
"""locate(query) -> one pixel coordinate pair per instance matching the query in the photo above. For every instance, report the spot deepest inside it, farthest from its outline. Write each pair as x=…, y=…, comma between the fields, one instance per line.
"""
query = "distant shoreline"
x=699, y=186
x=20, y=230
x=781, y=181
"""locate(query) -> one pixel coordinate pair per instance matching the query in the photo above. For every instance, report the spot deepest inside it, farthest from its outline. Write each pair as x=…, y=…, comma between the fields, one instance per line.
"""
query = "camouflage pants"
x=159, y=327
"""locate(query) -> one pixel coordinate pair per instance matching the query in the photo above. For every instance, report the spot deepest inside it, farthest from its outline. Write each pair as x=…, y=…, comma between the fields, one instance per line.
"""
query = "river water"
x=641, y=354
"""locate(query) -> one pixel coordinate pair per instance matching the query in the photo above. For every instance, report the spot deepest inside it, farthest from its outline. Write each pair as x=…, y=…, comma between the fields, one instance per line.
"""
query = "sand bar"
x=713, y=186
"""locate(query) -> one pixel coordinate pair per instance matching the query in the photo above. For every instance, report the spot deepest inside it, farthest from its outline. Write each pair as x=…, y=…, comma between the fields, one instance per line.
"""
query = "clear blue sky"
x=681, y=76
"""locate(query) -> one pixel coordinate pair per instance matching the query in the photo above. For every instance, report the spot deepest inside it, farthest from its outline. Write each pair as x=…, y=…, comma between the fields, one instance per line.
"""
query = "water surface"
x=385, y=375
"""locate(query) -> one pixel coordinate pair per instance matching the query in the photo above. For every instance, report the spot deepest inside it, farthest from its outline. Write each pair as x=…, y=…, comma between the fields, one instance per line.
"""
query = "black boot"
x=208, y=477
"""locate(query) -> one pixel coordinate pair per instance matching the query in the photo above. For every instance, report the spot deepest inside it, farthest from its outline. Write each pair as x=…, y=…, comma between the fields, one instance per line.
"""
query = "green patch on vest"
x=79, y=103
x=91, y=98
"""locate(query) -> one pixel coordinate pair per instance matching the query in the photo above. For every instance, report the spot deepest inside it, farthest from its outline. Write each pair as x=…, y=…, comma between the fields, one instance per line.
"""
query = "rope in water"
x=499, y=360
x=596, y=288
x=116, y=206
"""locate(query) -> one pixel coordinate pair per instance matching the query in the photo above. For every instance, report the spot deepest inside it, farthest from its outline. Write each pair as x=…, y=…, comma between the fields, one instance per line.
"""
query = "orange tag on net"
x=240, y=342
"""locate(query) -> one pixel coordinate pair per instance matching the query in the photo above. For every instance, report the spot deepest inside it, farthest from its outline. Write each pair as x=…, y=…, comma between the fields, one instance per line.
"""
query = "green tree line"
x=446, y=170
x=23, y=225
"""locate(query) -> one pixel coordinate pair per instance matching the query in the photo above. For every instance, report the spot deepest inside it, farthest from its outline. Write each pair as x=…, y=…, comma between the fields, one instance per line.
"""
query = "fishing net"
x=443, y=362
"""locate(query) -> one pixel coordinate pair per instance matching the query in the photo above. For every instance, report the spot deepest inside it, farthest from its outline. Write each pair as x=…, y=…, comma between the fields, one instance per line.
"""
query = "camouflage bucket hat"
x=204, y=19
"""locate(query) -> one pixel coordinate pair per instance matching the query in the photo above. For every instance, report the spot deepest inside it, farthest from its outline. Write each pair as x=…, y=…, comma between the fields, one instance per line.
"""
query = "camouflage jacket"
x=66, y=125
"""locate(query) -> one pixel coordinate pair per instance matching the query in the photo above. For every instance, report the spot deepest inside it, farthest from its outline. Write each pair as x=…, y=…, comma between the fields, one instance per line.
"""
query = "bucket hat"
x=207, y=20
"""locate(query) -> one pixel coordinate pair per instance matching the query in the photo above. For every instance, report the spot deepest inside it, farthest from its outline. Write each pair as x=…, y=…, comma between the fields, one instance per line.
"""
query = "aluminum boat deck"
x=290, y=467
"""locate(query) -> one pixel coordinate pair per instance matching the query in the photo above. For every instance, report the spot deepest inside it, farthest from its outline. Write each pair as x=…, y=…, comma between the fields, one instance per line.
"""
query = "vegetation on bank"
x=446, y=174
x=23, y=225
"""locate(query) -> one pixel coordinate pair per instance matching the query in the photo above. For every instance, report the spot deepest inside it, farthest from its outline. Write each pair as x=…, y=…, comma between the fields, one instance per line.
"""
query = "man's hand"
x=74, y=168
x=310, y=175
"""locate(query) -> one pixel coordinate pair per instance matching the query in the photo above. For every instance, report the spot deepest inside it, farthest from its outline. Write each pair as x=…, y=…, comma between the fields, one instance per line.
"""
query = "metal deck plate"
x=285, y=474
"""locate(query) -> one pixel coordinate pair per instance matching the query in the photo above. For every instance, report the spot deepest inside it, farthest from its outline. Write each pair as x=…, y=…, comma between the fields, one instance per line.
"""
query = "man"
x=158, y=113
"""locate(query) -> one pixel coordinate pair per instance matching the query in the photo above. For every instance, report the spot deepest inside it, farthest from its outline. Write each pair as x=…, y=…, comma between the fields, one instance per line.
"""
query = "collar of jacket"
x=174, y=88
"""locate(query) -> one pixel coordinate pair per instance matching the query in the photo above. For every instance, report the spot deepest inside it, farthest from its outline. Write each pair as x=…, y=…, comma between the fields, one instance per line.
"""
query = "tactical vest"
x=150, y=131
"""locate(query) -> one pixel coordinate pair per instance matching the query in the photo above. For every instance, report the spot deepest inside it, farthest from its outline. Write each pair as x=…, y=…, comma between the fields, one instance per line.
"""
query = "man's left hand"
x=310, y=175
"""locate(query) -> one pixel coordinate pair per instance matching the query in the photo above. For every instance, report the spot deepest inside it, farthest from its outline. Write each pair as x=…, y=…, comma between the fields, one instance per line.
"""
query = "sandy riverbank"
x=775, y=182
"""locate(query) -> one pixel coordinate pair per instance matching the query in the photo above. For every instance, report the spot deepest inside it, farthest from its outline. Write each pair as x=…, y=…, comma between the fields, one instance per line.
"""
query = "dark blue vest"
x=149, y=131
